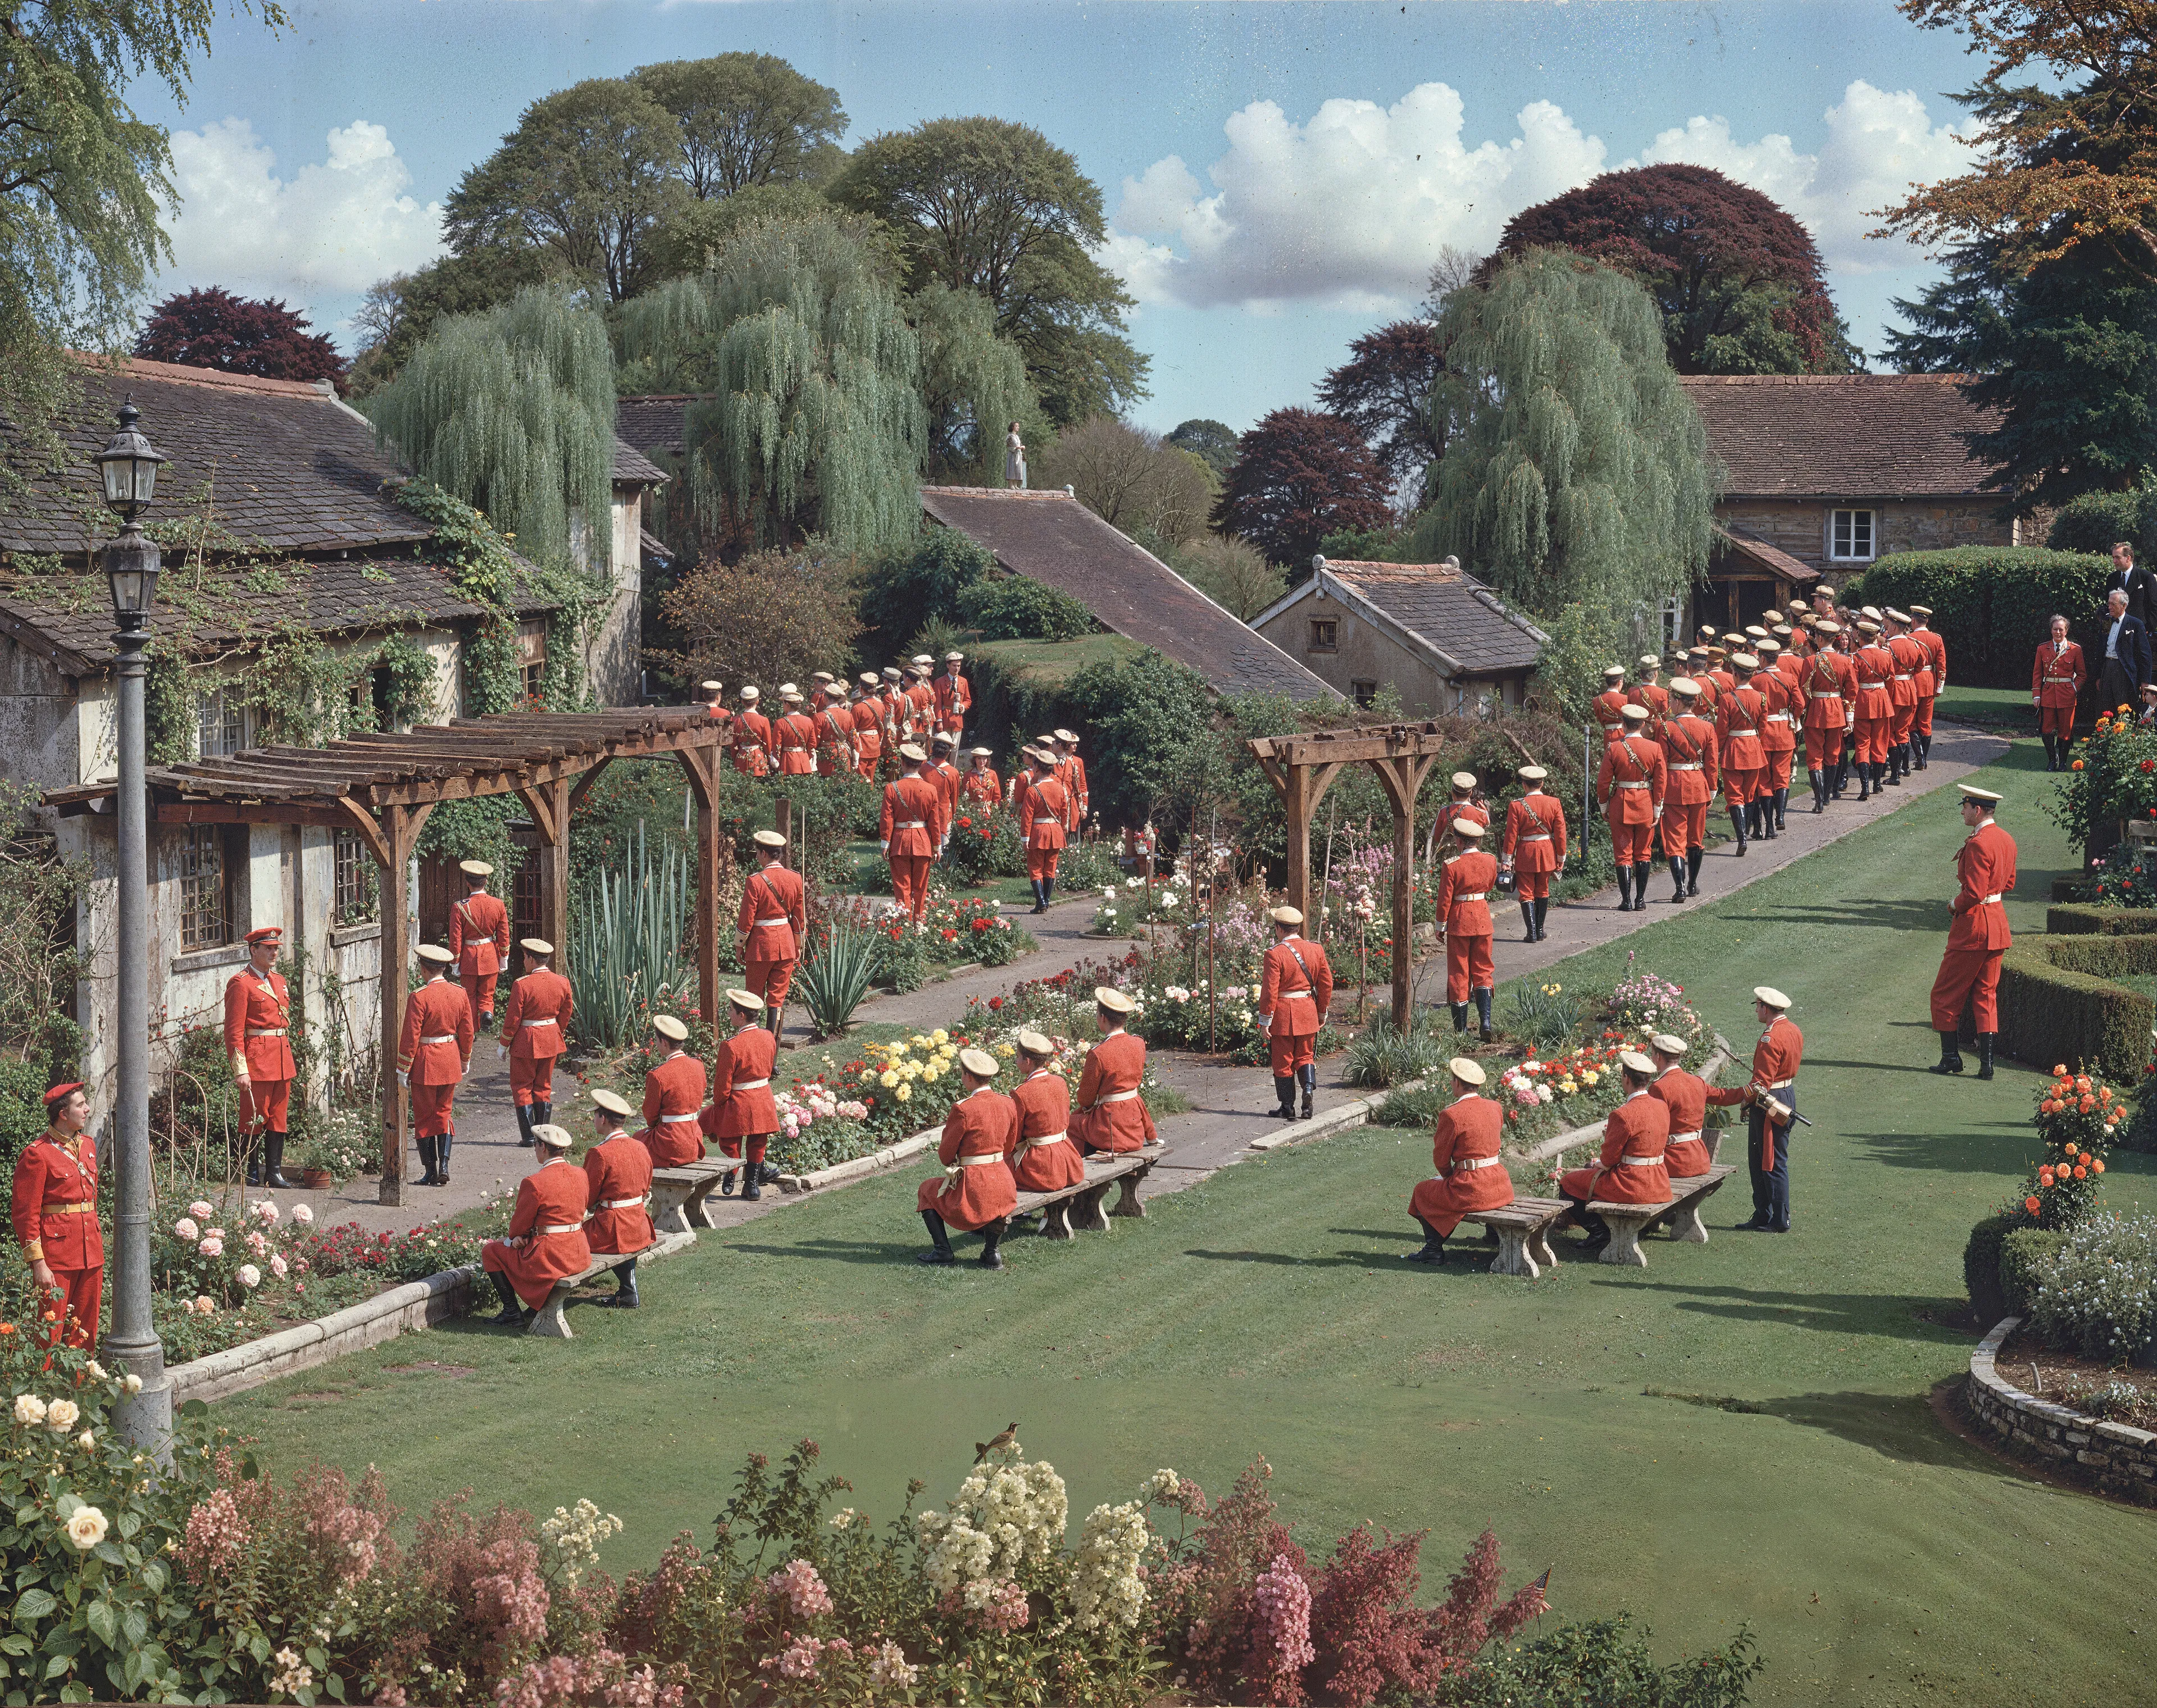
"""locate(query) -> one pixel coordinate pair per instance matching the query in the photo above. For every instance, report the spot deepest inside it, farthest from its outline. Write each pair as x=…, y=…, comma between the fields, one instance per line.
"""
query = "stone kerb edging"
x=857, y=1168
x=2118, y=1458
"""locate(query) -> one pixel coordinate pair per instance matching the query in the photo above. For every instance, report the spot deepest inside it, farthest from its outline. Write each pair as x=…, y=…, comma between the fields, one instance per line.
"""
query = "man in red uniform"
x=535, y=1032
x=617, y=1196
x=945, y=776
x=898, y=711
x=1690, y=769
x=1632, y=773
x=546, y=1241
x=1111, y=1114
x=433, y=1054
x=1932, y=684
x=1464, y=1150
x=743, y=1112
x=2056, y=679
x=479, y=938
x=1533, y=848
x=1698, y=662
x=976, y=1190
x=869, y=725
x=673, y=1094
x=1647, y=691
x=1463, y=804
x=773, y=920
x=752, y=735
x=714, y=704
x=1040, y=1155
x=1685, y=1095
x=1738, y=726
x=955, y=696
x=912, y=829
x=835, y=731
x=1770, y=1097
x=258, y=1020
x=1909, y=659
x=1462, y=907
x=1608, y=709
x=1071, y=771
x=921, y=698
x=53, y=1209
x=1778, y=733
x=1873, y=666
x=1977, y=934
x=1296, y=992
x=795, y=734
x=1044, y=815
x=1826, y=684
x=981, y=788
x=1629, y=1169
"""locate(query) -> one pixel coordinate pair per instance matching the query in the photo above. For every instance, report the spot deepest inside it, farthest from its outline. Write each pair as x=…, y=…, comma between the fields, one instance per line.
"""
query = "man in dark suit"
x=2127, y=661
x=2140, y=585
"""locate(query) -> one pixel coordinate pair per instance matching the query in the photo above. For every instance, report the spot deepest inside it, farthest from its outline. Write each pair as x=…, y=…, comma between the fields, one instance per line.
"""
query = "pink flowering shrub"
x=1283, y=1625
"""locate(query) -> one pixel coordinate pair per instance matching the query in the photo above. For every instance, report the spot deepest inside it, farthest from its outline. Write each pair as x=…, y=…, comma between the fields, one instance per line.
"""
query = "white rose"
x=30, y=1409
x=131, y=1382
x=249, y=1276
x=96, y=1370
x=302, y=1214
x=60, y=1415
x=86, y=1528
x=87, y=1441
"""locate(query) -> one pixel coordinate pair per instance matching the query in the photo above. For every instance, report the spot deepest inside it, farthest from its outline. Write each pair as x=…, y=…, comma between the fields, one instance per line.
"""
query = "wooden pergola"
x=1302, y=768
x=384, y=787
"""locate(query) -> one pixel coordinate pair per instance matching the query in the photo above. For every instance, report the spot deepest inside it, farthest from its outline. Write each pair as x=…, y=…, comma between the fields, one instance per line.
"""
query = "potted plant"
x=335, y=1150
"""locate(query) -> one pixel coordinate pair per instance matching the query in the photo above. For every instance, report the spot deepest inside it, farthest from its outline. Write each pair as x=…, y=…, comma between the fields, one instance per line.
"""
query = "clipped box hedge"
x=2080, y=919
x=1993, y=605
x=2058, y=1003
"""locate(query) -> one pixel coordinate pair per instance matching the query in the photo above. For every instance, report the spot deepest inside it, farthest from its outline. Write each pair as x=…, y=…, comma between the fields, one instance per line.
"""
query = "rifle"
x=1787, y=1110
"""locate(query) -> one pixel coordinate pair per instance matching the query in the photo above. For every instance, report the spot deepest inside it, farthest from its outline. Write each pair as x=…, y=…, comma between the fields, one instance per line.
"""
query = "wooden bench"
x=1522, y=1229
x=1628, y=1221
x=551, y=1320
x=678, y=1194
x=1078, y=1207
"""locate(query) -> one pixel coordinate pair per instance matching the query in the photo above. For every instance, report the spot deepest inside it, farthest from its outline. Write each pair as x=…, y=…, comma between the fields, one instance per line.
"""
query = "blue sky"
x=1278, y=177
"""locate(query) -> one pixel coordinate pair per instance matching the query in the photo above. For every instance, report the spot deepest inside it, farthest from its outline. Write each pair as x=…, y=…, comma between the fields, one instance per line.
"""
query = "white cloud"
x=1351, y=209
x=329, y=230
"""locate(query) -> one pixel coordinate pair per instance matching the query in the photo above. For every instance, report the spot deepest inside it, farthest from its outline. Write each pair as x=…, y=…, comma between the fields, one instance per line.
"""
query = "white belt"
x=1461, y=1162
x=535, y=1022
x=1642, y=784
x=1126, y=1096
x=619, y=1203
x=676, y=1119
x=1476, y=896
x=1736, y=734
x=975, y=1161
x=446, y=1038
x=1045, y=1139
x=1655, y=1161
x=1544, y=836
x=1284, y=995
x=1903, y=677
x=1693, y=765
x=750, y=1084
x=781, y=920
x=272, y=1032
x=1983, y=900
x=1680, y=1137
x=1612, y=729
x=1782, y=1084
x=1826, y=694
x=561, y=1227
x=1779, y=718
x=910, y=825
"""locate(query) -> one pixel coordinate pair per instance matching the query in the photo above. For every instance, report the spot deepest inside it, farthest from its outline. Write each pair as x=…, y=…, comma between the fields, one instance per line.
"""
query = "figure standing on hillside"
x=1015, y=459
x=1977, y=934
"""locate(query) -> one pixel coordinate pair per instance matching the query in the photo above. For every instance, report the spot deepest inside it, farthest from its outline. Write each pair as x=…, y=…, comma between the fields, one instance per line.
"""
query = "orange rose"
x=2080, y=1173
x=2032, y=1205
x=2075, y=765
x=2060, y=1071
x=2097, y=1165
x=2069, y=1147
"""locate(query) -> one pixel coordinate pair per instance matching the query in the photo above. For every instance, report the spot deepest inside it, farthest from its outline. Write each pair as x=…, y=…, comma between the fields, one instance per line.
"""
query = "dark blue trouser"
x=1771, y=1187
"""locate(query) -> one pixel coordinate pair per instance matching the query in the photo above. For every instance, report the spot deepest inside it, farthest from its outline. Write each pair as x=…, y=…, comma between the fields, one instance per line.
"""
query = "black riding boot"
x=1950, y=1060
x=1764, y=807
x=1677, y=877
x=1284, y=1096
x=1864, y=782
x=1692, y=870
x=513, y=1313
x=1528, y=919
x=273, y=1170
x=1308, y=1074
x=1738, y=825
x=1433, y=1245
x=1819, y=781
x=1543, y=911
x=1625, y=889
x=1597, y=1229
x=524, y=1126
x=1460, y=1017
x=1482, y=994
x=427, y=1146
x=939, y=1243
x=1048, y=890
x=1899, y=763
x=992, y=1236
x=625, y=1295
x=727, y=1181
x=1985, y=1042
x=250, y=1157
x=442, y=1158
x=1842, y=776
x=543, y=1114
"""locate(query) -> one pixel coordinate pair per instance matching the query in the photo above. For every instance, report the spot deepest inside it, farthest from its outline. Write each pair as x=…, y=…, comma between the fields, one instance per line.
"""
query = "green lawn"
x=1267, y=1312
x=2000, y=708
x=1049, y=663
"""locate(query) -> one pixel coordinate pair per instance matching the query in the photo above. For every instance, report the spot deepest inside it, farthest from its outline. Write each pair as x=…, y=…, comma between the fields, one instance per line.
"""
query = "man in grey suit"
x=2126, y=665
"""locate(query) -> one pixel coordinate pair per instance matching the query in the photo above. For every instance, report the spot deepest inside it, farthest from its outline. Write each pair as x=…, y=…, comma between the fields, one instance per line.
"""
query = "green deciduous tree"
x=1214, y=443
x=1230, y=572
x=973, y=385
x=400, y=310
x=1580, y=471
x=987, y=205
x=512, y=411
x=586, y=175
x=1131, y=478
x=747, y=119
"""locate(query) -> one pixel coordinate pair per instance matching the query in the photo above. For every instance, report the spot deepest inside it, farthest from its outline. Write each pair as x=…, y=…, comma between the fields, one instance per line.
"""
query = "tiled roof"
x=1768, y=556
x=1842, y=435
x=233, y=609
x=654, y=422
x=1052, y=538
x=1449, y=609
x=283, y=466
x=632, y=468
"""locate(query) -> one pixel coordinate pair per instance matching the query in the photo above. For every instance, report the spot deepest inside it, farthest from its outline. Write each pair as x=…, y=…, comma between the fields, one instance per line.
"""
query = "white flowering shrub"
x=2097, y=1295
x=1107, y=1585
x=575, y=1538
x=1008, y=1516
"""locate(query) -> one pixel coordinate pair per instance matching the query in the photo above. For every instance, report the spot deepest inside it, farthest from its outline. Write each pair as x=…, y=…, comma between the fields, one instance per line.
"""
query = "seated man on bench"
x=1042, y=1156
x=1630, y=1168
x=976, y=1192
x=546, y=1240
x=1464, y=1149
x=1111, y=1115
x=742, y=1113
x=618, y=1169
x=1686, y=1096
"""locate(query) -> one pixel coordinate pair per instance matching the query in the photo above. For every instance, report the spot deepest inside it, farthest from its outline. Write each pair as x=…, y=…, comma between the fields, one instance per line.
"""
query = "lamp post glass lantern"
x=128, y=468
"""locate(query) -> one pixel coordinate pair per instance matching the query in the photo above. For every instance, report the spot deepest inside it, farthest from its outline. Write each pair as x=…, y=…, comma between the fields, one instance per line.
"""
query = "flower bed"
x=2117, y=1456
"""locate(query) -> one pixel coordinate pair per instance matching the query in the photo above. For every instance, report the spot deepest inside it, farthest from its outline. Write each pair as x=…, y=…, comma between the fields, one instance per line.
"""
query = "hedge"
x=1992, y=603
x=2079, y=919
x=2058, y=1004
x=2021, y=1253
x=2096, y=521
x=1980, y=1264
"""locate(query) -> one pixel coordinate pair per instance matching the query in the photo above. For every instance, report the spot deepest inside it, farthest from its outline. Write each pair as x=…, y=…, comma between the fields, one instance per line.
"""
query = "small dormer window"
x=1323, y=634
x=1851, y=536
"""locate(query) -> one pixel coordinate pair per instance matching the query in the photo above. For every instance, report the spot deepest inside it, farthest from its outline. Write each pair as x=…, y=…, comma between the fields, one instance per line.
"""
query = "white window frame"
x=222, y=712
x=1842, y=549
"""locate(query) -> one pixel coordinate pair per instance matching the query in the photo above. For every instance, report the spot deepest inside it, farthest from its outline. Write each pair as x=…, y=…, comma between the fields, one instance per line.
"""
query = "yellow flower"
x=1008, y=1051
x=903, y=1093
x=940, y=1036
x=931, y=1073
x=887, y=1080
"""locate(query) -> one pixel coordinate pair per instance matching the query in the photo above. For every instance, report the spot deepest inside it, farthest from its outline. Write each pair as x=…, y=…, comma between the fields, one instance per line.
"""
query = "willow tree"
x=1578, y=470
x=512, y=411
x=973, y=385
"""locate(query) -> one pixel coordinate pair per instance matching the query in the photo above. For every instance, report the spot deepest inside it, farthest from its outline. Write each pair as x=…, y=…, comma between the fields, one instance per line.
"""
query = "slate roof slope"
x=236, y=609
x=655, y=422
x=1052, y=538
x=1453, y=612
x=1842, y=435
x=632, y=468
x=285, y=466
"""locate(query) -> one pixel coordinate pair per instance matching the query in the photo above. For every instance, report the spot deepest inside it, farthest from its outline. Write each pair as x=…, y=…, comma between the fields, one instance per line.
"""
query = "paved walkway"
x=1229, y=1105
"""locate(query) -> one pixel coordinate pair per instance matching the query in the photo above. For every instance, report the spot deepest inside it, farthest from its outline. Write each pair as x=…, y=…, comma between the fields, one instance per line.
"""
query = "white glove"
x=883, y=847
x=501, y=1053
x=403, y=1078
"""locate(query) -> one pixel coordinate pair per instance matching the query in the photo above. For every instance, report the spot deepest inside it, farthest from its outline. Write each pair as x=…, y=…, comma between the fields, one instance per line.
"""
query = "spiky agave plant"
x=627, y=943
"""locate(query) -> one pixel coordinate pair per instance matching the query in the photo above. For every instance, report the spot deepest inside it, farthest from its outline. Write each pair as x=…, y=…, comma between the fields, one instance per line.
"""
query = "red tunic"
x=1779, y=723
x=1608, y=710
x=1638, y=1127
x=1689, y=764
x=835, y=739
x=255, y=1007
x=1686, y=1096
x=2056, y=676
x=536, y=1024
x=1827, y=682
x=981, y=788
x=742, y=1105
x=868, y=731
x=1986, y=868
x=1463, y=888
x=913, y=821
x=479, y=934
x=1044, y=813
x=774, y=914
x=1739, y=727
x=1110, y=1114
x=1936, y=656
x=1535, y=833
x=752, y=742
x=1296, y=990
x=794, y=737
x=1464, y=1149
x=1873, y=666
x=1909, y=658
x=552, y=1196
x=435, y=1045
x=673, y=1092
x=618, y=1180
x=970, y=1196
x=50, y=1174
x=1633, y=772
x=1043, y=1102
x=955, y=698
x=1776, y=1058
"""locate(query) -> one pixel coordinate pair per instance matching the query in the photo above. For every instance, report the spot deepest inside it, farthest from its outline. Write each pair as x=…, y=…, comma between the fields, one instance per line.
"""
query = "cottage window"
x=354, y=902
x=1851, y=536
x=531, y=657
x=1364, y=693
x=205, y=898
x=220, y=723
x=1323, y=633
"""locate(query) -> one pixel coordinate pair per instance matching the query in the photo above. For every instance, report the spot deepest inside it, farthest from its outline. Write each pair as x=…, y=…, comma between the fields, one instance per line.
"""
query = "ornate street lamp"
x=128, y=467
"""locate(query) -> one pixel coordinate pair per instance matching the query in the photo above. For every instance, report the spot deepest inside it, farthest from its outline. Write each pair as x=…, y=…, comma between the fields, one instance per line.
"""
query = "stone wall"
x=2118, y=1459
x=1799, y=527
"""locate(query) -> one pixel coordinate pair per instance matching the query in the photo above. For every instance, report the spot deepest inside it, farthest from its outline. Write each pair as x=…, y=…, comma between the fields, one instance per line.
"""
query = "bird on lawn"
x=982, y=1449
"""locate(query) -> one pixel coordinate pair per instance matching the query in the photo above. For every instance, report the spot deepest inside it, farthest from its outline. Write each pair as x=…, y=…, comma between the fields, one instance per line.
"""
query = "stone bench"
x=551, y=1320
x=678, y=1193
x=1522, y=1229
x=1078, y=1207
x=1628, y=1221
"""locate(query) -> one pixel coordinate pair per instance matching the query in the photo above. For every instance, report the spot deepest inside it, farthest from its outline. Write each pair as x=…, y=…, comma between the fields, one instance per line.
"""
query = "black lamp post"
x=128, y=467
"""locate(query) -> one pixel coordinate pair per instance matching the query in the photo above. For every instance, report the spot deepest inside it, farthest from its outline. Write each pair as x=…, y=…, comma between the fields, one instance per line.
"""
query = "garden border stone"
x=2117, y=1458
